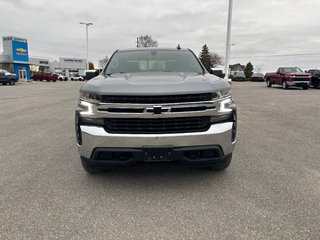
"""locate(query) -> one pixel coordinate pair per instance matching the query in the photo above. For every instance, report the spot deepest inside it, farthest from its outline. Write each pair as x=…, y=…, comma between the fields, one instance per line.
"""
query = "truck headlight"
x=87, y=107
x=90, y=97
x=227, y=105
x=222, y=93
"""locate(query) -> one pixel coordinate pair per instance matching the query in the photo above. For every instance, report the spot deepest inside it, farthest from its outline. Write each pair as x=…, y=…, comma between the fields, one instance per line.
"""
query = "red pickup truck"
x=288, y=76
x=49, y=77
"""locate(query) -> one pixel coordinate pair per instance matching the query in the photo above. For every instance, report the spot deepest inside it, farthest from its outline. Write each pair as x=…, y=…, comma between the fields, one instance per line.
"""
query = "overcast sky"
x=261, y=30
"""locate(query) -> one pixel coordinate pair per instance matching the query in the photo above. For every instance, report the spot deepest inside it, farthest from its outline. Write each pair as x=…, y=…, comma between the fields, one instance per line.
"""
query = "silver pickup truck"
x=155, y=107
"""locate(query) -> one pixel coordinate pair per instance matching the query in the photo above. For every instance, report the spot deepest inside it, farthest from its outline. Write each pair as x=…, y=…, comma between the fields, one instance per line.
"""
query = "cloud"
x=260, y=28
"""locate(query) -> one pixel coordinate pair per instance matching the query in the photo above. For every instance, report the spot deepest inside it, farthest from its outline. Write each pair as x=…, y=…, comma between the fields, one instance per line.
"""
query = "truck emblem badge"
x=157, y=109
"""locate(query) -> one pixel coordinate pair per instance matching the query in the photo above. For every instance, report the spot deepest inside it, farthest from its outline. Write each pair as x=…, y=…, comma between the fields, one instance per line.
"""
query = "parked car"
x=76, y=78
x=315, y=77
x=49, y=77
x=140, y=114
x=7, y=77
x=239, y=76
x=289, y=76
x=217, y=71
x=257, y=77
x=60, y=77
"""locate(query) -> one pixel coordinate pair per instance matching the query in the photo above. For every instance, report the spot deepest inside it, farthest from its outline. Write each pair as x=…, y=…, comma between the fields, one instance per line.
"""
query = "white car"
x=61, y=77
x=76, y=78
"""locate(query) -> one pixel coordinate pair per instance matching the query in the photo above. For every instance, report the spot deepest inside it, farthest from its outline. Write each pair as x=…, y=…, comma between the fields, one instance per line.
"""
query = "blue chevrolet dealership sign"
x=20, y=57
x=20, y=51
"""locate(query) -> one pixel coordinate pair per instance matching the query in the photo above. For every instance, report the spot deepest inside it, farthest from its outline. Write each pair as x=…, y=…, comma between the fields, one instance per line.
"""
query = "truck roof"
x=152, y=48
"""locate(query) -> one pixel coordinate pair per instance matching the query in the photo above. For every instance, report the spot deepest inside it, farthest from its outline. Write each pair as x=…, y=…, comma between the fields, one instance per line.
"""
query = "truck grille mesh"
x=156, y=125
x=301, y=79
x=159, y=99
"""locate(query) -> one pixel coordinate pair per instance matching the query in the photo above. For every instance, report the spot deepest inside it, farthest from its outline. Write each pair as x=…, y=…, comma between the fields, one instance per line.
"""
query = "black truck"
x=315, y=77
x=7, y=78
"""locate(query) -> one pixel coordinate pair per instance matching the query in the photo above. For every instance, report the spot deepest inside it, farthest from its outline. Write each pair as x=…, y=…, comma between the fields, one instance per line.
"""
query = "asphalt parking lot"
x=270, y=191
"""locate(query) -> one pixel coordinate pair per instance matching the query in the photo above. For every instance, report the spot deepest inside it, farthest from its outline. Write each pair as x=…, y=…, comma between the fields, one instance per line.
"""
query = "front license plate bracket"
x=157, y=154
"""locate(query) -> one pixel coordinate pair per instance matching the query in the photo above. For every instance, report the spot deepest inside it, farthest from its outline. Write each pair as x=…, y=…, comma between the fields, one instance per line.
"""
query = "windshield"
x=4, y=71
x=315, y=72
x=239, y=74
x=292, y=70
x=153, y=61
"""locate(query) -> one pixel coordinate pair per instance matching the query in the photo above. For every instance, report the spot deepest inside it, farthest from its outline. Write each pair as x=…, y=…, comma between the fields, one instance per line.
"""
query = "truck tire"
x=222, y=165
x=12, y=82
x=89, y=167
x=284, y=84
x=269, y=84
x=305, y=87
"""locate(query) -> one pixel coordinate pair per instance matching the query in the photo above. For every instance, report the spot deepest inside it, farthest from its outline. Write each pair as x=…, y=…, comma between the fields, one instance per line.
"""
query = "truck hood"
x=155, y=84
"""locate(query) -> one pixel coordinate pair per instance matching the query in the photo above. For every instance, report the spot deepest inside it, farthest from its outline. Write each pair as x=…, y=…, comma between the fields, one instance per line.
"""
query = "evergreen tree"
x=248, y=70
x=205, y=57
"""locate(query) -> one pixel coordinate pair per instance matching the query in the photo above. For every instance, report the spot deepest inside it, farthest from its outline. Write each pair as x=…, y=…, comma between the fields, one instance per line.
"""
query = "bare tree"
x=103, y=61
x=258, y=68
x=146, y=41
x=215, y=59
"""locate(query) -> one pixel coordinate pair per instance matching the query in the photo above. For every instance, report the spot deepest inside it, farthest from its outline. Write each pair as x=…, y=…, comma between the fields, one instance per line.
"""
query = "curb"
x=25, y=82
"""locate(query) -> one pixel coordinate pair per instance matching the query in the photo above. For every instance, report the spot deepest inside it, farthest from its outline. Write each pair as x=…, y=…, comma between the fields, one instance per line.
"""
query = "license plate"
x=152, y=154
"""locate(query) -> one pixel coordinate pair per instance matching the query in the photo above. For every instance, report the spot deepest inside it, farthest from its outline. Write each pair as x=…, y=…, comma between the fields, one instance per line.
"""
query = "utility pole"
x=228, y=45
x=87, y=42
x=137, y=42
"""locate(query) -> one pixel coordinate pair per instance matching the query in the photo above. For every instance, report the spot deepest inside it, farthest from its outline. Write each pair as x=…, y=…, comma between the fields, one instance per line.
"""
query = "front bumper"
x=95, y=139
x=298, y=83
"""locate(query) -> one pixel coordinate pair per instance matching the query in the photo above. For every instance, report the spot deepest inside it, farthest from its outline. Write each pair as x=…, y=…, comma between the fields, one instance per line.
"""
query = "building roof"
x=14, y=38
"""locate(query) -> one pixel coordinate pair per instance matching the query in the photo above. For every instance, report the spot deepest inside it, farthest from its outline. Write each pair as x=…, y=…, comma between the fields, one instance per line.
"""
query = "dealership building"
x=15, y=58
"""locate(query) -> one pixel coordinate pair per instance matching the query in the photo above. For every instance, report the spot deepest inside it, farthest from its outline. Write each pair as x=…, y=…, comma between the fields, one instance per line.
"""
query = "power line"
x=279, y=55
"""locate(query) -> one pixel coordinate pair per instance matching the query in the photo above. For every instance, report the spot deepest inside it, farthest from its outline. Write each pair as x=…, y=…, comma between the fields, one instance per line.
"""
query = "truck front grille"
x=156, y=125
x=159, y=99
x=301, y=79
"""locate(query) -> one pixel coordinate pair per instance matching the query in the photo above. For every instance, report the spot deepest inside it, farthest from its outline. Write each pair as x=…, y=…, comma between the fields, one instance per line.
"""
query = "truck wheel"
x=89, y=167
x=269, y=84
x=285, y=85
x=305, y=87
x=4, y=83
x=222, y=165
x=12, y=82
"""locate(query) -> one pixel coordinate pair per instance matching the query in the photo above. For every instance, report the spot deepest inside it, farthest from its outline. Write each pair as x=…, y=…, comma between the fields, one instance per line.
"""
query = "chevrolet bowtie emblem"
x=21, y=50
x=157, y=109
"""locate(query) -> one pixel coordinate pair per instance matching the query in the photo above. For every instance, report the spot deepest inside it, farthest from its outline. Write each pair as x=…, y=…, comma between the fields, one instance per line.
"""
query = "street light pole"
x=228, y=45
x=87, y=43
